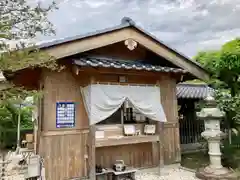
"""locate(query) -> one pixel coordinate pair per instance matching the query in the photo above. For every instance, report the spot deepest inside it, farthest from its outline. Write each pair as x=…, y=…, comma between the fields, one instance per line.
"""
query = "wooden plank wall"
x=63, y=149
x=68, y=150
x=64, y=155
x=135, y=155
x=172, y=152
x=62, y=86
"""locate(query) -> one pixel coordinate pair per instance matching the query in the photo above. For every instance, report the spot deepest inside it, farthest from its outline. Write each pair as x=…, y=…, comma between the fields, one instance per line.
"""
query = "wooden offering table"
x=127, y=174
x=115, y=141
x=137, y=151
x=105, y=175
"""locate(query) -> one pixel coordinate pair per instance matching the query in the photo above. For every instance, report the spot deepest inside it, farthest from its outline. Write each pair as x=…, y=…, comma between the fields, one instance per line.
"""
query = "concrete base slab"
x=208, y=173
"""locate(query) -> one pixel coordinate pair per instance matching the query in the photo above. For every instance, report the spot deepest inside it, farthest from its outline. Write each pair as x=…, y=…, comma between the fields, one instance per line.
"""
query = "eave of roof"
x=79, y=37
x=193, y=91
x=107, y=62
x=126, y=22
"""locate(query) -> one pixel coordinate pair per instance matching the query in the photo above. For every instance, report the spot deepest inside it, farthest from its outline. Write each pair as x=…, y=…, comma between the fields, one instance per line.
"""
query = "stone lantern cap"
x=211, y=115
x=210, y=101
x=210, y=111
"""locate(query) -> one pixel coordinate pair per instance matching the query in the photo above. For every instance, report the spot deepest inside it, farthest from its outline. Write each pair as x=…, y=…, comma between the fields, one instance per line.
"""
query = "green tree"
x=20, y=23
x=224, y=65
x=9, y=116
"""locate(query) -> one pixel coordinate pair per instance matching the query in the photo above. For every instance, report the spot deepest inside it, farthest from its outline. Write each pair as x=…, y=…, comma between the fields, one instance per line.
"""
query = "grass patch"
x=198, y=160
x=195, y=160
x=238, y=171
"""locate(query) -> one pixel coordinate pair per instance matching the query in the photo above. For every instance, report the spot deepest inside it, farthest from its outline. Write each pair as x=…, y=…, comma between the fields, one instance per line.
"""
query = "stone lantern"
x=213, y=134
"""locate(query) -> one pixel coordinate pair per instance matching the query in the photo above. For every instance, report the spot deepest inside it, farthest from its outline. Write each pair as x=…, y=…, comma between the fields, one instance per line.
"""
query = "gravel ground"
x=14, y=175
x=170, y=172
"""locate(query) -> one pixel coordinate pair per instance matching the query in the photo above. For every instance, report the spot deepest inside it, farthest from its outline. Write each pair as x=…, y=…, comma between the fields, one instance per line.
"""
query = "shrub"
x=231, y=155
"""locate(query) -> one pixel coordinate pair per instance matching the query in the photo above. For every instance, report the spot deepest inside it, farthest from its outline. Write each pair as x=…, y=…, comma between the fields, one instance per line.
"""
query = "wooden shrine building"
x=115, y=99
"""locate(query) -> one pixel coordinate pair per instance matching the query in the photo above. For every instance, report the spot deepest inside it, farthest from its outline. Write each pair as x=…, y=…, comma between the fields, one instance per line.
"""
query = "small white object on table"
x=118, y=175
x=129, y=130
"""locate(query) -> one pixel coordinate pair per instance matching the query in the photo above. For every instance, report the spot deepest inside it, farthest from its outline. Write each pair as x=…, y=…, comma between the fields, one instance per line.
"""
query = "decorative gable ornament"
x=131, y=44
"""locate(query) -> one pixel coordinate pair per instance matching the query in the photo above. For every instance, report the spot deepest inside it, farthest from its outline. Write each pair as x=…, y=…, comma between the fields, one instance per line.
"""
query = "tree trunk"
x=230, y=116
x=230, y=136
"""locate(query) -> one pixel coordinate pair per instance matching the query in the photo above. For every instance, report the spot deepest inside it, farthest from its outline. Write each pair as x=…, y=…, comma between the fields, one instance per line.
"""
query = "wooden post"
x=92, y=153
x=161, y=144
x=158, y=148
x=178, y=156
x=155, y=154
x=161, y=140
x=39, y=120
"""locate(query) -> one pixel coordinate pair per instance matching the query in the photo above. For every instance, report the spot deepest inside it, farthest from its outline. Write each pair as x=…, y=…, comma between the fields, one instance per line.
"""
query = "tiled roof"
x=193, y=91
x=126, y=22
x=184, y=90
x=123, y=64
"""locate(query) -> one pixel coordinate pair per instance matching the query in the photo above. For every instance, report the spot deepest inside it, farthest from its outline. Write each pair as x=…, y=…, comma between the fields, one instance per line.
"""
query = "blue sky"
x=186, y=25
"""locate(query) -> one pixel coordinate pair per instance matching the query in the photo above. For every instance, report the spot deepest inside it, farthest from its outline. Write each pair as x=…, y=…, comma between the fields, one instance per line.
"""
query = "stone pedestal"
x=212, y=116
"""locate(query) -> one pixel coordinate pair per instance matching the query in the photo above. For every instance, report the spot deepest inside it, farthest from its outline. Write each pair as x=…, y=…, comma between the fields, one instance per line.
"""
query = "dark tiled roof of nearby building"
x=123, y=64
x=126, y=22
x=193, y=91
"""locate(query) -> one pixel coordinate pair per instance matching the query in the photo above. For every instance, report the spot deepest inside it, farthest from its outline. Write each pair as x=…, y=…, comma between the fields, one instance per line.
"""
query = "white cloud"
x=187, y=25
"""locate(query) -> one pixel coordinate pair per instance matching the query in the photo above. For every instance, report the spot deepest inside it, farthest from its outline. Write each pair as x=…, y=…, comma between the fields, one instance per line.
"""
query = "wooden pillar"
x=171, y=140
x=158, y=148
x=92, y=153
x=160, y=143
x=155, y=153
x=38, y=127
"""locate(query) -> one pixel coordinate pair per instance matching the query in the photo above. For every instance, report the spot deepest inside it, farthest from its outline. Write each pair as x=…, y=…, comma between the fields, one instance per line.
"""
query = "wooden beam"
x=155, y=153
x=127, y=140
x=94, y=42
x=101, y=70
x=161, y=144
x=40, y=119
x=92, y=143
x=170, y=56
x=65, y=132
x=92, y=153
x=87, y=44
x=161, y=139
x=35, y=132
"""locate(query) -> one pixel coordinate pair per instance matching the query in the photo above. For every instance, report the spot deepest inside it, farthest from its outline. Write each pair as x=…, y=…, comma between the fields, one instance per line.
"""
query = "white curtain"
x=101, y=101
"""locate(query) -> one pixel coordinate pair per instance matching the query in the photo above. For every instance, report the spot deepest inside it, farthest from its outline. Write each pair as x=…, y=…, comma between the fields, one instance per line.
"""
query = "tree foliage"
x=9, y=116
x=20, y=23
x=224, y=65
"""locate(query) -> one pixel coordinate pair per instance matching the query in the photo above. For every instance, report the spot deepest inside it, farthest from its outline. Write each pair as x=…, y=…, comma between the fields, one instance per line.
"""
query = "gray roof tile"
x=126, y=22
x=184, y=91
x=107, y=62
x=193, y=91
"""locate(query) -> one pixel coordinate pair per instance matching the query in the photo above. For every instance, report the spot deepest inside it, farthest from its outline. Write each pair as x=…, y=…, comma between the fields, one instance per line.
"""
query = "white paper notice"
x=149, y=129
x=99, y=134
x=129, y=129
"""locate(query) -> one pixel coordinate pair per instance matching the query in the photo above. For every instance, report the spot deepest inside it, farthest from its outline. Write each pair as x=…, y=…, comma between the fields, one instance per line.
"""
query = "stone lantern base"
x=208, y=173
